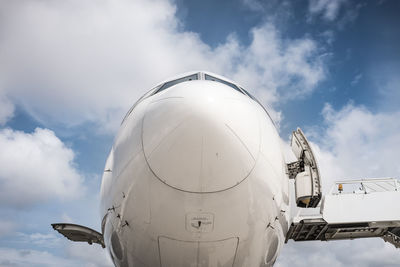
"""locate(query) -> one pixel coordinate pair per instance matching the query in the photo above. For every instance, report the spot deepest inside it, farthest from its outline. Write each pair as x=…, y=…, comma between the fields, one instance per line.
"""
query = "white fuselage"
x=196, y=177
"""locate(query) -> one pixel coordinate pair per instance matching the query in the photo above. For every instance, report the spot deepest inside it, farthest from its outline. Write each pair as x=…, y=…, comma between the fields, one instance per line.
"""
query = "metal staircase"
x=393, y=236
x=368, y=208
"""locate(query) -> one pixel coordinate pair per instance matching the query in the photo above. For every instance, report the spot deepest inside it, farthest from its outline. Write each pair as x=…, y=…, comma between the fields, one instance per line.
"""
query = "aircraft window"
x=255, y=99
x=180, y=80
x=212, y=78
x=250, y=95
x=138, y=101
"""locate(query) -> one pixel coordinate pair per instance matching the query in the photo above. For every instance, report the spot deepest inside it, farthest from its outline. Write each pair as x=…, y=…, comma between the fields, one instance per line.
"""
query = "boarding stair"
x=352, y=209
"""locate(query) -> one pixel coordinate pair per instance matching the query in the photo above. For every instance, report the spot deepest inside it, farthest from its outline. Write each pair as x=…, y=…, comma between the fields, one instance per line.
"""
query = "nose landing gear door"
x=79, y=233
x=305, y=172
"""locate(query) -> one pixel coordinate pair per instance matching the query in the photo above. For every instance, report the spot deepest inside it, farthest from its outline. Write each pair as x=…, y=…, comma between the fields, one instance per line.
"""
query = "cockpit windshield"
x=215, y=79
x=196, y=76
x=180, y=80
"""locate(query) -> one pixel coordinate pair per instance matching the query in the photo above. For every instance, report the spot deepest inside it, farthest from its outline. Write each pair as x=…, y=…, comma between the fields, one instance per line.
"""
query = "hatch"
x=79, y=233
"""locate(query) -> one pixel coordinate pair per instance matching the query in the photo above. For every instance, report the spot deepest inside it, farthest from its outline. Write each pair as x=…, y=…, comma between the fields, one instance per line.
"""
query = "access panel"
x=175, y=253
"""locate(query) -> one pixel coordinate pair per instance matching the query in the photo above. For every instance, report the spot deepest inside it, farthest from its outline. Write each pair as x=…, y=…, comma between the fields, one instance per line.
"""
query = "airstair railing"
x=365, y=186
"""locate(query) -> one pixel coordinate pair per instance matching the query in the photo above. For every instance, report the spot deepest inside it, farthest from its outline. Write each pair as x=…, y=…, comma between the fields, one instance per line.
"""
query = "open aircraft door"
x=305, y=172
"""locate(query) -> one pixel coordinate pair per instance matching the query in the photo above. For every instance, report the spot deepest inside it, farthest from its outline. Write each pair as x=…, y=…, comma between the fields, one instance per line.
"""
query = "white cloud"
x=353, y=143
x=329, y=9
x=356, y=79
x=39, y=240
x=88, y=256
x=384, y=77
x=342, y=12
x=65, y=218
x=359, y=253
x=70, y=62
x=328, y=36
x=254, y=5
x=280, y=68
x=6, y=109
x=19, y=257
x=68, y=253
x=35, y=167
x=6, y=227
x=357, y=143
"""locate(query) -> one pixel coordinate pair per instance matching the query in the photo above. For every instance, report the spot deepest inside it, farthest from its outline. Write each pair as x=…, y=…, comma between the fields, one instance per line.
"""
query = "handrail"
x=366, y=185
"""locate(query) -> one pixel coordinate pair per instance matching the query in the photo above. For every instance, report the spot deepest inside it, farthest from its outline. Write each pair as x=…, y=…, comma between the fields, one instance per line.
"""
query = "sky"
x=70, y=70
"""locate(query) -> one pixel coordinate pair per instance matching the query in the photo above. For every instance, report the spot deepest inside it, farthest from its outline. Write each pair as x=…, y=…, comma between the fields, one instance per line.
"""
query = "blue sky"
x=69, y=70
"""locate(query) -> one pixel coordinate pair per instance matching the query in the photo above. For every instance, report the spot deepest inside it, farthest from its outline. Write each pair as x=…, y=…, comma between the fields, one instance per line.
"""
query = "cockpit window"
x=249, y=95
x=212, y=78
x=140, y=100
x=255, y=99
x=180, y=80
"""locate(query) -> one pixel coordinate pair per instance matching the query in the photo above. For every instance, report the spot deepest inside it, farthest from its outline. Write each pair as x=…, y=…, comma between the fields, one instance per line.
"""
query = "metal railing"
x=365, y=186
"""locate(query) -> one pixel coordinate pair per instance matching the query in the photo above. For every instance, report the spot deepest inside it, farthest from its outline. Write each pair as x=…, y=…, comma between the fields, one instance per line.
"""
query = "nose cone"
x=201, y=136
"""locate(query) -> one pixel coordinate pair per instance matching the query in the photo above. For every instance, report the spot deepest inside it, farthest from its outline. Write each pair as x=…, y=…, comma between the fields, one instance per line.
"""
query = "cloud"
x=342, y=12
x=48, y=240
x=281, y=68
x=384, y=77
x=329, y=9
x=20, y=257
x=357, y=143
x=65, y=218
x=52, y=249
x=6, y=227
x=6, y=109
x=360, y=252
x=69, y=62
x=36, y=167
x=352, y=143
x=253, y=5
x=356, y=79
x=328, y=36
x=88, y=256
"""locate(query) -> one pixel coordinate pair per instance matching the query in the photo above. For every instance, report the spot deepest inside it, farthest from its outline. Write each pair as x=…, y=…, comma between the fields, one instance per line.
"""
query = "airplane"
x=197, y=177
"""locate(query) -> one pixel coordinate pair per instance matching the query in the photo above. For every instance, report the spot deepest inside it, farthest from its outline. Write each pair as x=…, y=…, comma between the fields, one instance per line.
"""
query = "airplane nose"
x=201, y=136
